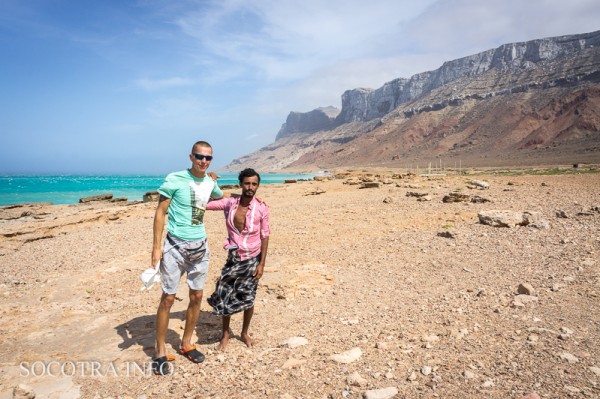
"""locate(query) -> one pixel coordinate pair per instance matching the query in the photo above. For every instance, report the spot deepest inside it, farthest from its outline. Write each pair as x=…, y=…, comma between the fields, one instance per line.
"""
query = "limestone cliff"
x=529, y=102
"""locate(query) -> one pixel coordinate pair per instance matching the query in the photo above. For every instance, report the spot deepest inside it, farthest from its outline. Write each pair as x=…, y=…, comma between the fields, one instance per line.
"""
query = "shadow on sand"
x=140, y=331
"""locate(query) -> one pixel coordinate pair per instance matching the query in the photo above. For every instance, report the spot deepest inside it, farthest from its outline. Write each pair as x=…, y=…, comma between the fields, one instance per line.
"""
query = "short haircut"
x=201, y=144
x=248, y=173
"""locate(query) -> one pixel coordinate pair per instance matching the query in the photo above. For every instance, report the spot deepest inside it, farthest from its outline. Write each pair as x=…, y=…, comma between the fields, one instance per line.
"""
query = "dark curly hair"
x=248, y=173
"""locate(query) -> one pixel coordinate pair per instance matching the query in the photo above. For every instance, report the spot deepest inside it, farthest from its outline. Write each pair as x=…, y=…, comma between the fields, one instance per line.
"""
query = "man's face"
x=249, y=186
x=201, y=165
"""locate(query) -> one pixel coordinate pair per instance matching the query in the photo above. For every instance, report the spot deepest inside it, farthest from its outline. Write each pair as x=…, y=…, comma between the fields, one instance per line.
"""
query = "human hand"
x=156, y=256
x=259, y=271
x=213, y=175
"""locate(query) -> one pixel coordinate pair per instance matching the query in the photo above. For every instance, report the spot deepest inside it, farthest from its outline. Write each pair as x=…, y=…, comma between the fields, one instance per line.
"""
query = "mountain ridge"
x=446, y=113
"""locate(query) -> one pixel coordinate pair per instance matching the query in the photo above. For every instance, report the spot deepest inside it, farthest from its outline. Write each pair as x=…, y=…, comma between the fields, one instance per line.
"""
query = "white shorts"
x=182, y=256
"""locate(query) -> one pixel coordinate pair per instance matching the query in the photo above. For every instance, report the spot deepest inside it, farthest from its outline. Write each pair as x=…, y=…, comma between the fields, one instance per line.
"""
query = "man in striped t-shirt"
x=247, y=222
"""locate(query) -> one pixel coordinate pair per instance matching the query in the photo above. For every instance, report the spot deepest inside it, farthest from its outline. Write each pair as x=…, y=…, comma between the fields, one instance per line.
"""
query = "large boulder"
x=151, y=196
x=498, y=218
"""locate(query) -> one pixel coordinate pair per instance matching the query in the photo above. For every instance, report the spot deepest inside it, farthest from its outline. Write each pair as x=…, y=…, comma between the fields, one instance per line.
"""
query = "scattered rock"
x=416, y=194
x=488, y=384
x=569, y=357
x=424, y=199
x=373, y=184
x=356, y=380
x=387, y=200
x=229, y=186
x=382, y=345
x=566, y=330
x=499, y=218
x=102, y=197
x=316, y=191
x=561, y=214
x=523, y=299
x=23, y=391
x=347, y=357
x=531, y=395
x=383, y=393
x=294, y=342
x=479, y=184
x=526, y=288
x=446, y=234
x=456, y=197
x=289, y=181
x=476, y=199
x=595, y=370
x=426, y=370
x=469, y=374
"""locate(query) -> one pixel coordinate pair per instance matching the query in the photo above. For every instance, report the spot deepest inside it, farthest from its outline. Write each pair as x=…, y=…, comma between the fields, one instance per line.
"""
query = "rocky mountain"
x=535, y=102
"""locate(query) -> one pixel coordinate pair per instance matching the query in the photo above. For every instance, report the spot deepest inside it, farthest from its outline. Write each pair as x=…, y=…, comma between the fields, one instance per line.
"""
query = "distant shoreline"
x=68, y=189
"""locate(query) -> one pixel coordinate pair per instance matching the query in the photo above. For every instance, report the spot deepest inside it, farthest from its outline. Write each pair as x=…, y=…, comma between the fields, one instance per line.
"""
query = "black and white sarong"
x=236, y=288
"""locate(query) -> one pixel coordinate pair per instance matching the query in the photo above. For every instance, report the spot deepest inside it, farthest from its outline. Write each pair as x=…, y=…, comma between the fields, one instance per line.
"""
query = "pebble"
x=526, y=288
x=532, y=395
x=412, y=376
x=569, y=357
x=356, y=380
x=347, y=357
x=425, y=370
x=23, y=391
x=294, y=342
x=566, y=330
x=382, y=345
x=488, y=384
x=383, y=393
x=469, y=374
x=595, y=370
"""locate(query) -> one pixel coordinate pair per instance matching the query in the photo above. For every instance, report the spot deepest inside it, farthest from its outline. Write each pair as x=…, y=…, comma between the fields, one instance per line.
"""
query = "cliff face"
x=530, y=102
x=509, y=59
x=309, y=122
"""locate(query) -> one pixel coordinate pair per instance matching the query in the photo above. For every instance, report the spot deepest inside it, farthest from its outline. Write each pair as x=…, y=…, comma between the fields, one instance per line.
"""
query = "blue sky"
x=117, y=86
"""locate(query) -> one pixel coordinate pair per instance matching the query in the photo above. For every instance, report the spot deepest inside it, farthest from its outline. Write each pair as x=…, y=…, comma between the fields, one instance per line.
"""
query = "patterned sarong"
x=236, y=288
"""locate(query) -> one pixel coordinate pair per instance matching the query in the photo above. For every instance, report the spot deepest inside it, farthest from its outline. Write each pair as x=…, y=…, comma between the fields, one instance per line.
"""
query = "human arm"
x=264, y=242
x=264, y=245
x=158, y=227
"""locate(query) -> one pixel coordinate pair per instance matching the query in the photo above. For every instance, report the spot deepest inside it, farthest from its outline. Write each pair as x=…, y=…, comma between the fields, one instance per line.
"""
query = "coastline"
x=347, y=268
x=68, y=189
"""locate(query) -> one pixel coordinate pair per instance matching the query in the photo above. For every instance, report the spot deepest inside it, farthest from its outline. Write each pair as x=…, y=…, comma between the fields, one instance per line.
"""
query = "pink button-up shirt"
x=256, y=228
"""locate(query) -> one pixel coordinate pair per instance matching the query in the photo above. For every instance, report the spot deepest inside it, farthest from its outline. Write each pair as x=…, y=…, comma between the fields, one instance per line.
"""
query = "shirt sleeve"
x=217, y=205
x=216, y=192
x=168, y=187
x=265, y=231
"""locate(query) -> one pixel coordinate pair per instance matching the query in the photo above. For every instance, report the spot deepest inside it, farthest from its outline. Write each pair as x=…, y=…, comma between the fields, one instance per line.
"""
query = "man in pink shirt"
x=247, y=222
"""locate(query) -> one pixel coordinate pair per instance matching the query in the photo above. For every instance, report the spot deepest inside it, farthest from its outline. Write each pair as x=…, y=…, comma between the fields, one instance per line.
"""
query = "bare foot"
x=247, y=339
x=224, y=341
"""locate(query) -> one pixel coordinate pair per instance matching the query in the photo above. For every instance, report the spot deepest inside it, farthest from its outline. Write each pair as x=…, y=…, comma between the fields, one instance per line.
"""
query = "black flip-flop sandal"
x=192, y=354
x=160, y=365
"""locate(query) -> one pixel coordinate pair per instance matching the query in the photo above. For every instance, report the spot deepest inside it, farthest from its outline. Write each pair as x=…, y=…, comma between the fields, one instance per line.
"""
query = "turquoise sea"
x=69, y=189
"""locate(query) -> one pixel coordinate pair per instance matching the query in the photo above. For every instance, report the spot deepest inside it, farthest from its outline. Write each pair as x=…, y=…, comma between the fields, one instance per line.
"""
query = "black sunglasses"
x=201, y=157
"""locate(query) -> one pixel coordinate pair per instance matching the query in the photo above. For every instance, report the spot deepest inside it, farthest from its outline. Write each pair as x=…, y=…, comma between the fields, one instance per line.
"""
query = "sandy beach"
x=420, y=297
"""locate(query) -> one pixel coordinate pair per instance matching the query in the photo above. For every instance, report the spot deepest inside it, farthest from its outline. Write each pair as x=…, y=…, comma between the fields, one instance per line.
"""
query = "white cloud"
x=287, y=40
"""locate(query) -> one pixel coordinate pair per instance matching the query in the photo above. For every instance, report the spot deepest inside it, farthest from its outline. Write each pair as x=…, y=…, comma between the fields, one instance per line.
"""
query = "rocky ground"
x=413, y=295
